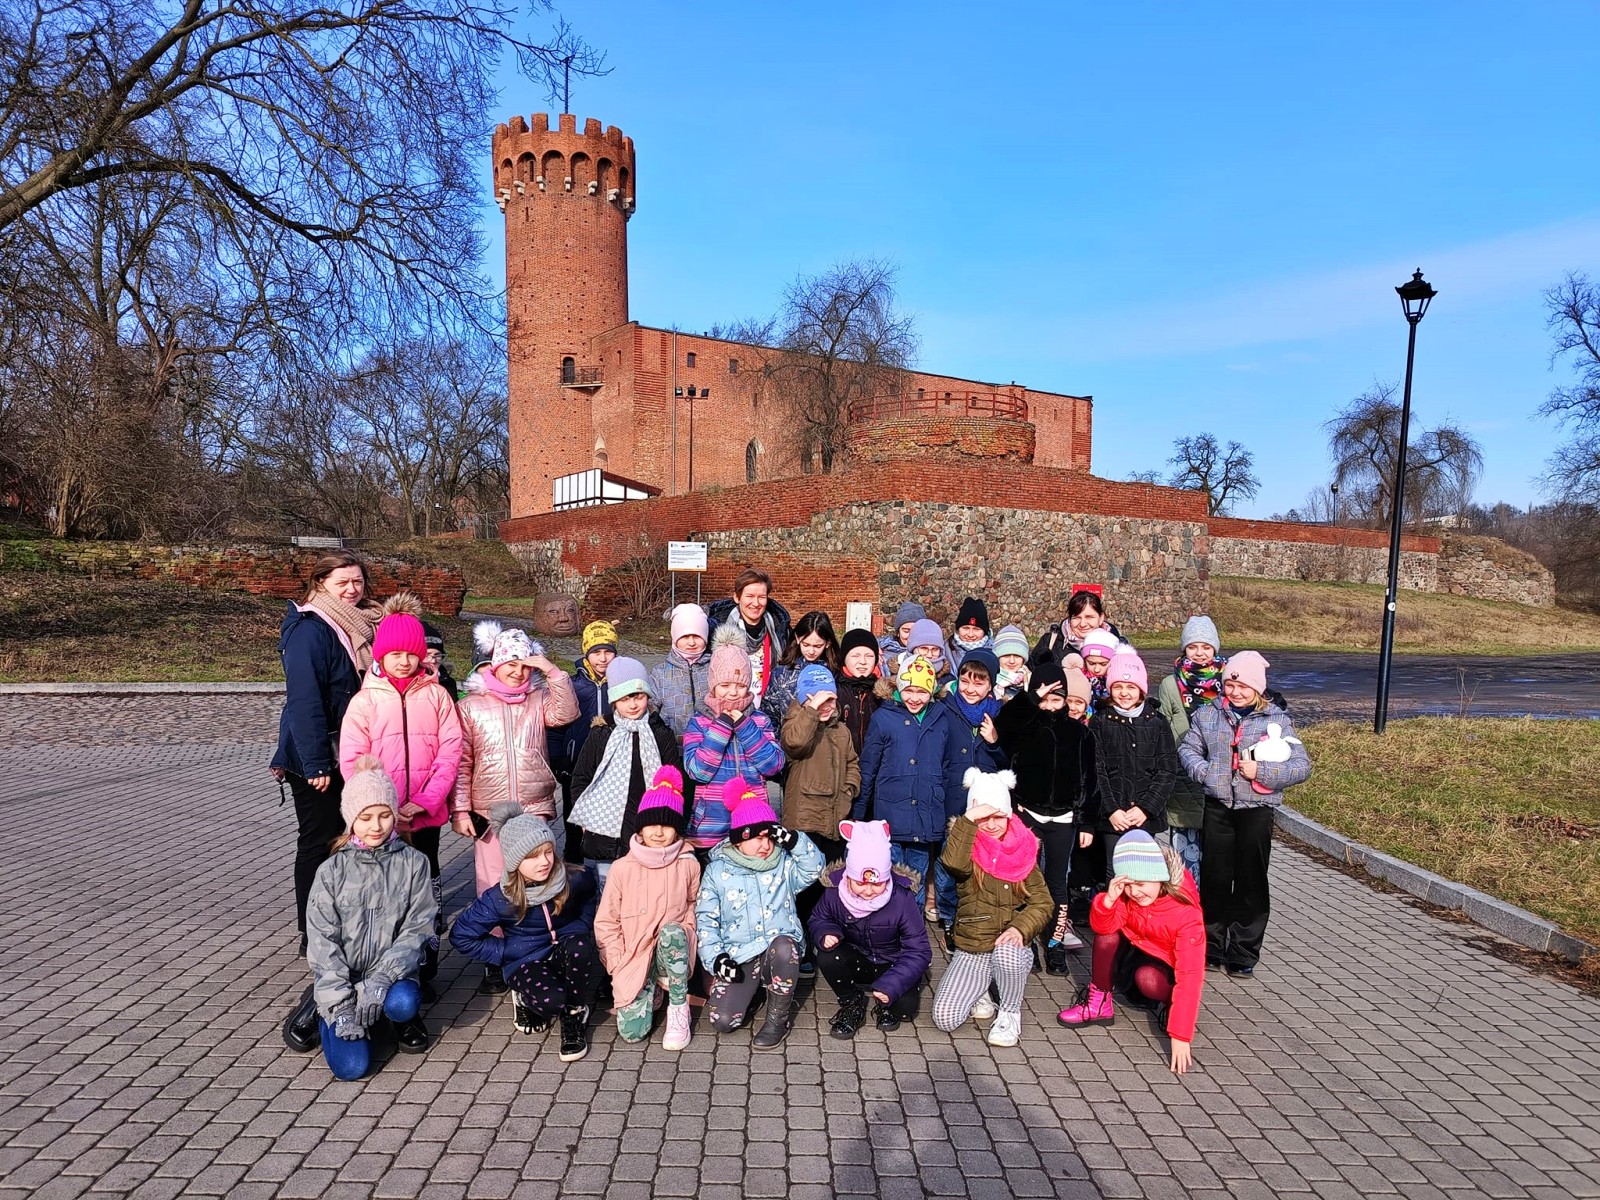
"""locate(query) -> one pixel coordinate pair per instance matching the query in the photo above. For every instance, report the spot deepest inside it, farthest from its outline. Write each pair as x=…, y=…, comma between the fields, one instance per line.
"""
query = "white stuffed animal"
x=1274, y=748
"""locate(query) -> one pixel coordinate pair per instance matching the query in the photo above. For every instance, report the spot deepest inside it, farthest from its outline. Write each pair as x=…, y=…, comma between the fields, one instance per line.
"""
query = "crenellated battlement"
x=531, y=158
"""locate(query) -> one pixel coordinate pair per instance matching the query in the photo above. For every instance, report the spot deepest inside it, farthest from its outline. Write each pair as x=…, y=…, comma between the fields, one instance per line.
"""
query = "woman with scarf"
x=326, y=648
x=1196, y=680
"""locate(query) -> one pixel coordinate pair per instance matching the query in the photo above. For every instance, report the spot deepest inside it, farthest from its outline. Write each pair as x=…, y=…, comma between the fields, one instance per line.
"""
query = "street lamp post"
x=1334, y=489
x=1414, y=298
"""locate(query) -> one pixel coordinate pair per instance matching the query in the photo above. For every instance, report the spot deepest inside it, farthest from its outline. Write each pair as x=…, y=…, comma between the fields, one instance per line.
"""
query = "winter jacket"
x=594, y=750
x=824, y=771
x=1136, y=765
x=783, y=691
x=715, y=751
x=677, y=687
x=369, y=914
x=971, y=749
x=858, y=700
x=320, y=678
x=1053, y=757
x=635, y=903
x=1171, y=931
x=504, y=747
x=1207, y=755
x=772, y=642
x=1058, y=642
x=1187, y=806
x=896, y=935
x=529, y=938
x=987, y=906
x=911, y=772
x=594, y=707
x=740, y=911
x=416, y=733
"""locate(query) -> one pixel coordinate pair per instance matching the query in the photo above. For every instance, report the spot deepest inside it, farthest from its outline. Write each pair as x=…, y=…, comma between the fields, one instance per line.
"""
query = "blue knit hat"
x=814, y=678
x=1138, y=857
x=984, y=658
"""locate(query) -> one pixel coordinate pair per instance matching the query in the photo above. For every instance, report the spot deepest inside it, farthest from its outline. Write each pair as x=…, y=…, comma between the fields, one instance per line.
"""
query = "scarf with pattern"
x=1198, y=685
x=605, y=801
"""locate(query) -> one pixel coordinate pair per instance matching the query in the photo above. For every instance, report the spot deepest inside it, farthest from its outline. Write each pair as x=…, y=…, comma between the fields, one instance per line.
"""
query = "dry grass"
x=488, y=568
x=1511, y=807
x=1270, y=614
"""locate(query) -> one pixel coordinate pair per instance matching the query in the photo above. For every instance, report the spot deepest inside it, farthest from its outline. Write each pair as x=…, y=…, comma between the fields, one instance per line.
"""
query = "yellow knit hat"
x=918, y=673
x=597, y=634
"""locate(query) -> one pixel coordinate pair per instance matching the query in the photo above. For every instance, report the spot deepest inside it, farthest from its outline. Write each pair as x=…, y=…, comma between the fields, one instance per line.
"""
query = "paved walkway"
x=146, y=917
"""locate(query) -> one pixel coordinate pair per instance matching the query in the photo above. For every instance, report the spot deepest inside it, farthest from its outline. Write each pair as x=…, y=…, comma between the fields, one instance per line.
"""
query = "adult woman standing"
x=326, y=647
x=1086, y=612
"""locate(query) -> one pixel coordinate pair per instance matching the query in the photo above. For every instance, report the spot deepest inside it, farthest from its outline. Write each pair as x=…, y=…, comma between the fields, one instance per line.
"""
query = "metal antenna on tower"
x=566, y=84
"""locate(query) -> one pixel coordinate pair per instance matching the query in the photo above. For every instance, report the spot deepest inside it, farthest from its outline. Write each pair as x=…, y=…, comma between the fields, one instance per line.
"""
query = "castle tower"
x=567, y=197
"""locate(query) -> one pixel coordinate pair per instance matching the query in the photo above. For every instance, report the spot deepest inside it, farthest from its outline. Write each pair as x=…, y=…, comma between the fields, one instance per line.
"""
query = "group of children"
x=949, y=783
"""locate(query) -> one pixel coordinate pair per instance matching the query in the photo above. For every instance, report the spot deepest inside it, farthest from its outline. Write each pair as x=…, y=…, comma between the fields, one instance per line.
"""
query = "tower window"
x=733, y=366
x=569, y=370
x=688, y=359
x=750, y=463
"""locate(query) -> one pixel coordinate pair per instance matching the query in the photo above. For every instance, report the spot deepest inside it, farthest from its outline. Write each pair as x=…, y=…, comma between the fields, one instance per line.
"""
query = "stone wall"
x=260, y=570
x=1319, y=562
x=1489, y=569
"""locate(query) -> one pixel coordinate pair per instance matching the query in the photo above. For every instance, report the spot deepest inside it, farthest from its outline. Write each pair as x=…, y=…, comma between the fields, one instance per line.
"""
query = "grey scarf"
x=539, y=894
x=605, y=801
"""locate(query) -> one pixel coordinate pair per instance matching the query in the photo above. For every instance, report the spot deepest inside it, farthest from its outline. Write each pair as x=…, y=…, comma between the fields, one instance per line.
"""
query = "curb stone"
x=1510, y=922
x=137, y=689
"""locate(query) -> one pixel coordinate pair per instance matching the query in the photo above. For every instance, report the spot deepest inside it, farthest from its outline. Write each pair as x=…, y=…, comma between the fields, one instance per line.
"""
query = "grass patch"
x=76, y=629
x=487, y=567
x=1508, y=806
x=1273, y=614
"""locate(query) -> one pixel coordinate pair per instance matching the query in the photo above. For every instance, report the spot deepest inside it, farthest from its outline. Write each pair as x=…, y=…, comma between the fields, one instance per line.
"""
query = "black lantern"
x=1414, y=296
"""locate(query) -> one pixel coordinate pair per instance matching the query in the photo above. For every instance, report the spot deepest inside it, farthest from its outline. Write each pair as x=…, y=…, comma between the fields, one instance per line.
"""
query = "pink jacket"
x=504, y=756
x=637, y=901
x=417, y=735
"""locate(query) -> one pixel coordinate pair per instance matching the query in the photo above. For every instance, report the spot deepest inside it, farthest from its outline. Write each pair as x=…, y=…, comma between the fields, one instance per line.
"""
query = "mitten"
x=785, y=838
x=369, y=1001
x=346, y=1026
x=725, y=968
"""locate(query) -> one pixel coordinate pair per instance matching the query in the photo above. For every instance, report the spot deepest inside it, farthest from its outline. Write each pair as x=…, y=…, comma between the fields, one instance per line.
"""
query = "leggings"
x=968, y=977
x=320, y=822
x=565, y=978
x=350, y=1059
x=671, y=962
x=777, y=968
x=1115, y=957
x=850, y=972
x=1057, y=840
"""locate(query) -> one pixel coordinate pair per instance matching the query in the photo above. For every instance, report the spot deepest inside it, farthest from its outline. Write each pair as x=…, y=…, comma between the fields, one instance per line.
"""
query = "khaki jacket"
x=824, y=771
x=987, y=906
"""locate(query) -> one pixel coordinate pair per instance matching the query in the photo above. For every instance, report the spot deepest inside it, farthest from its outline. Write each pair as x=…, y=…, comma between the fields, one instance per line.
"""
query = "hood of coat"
x=902, y=875
x=375, y=855
x=883, y=689
x=474, y=684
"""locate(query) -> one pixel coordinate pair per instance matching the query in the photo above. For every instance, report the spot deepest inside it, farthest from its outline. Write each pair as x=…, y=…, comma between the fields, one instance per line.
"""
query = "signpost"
x=686, y=556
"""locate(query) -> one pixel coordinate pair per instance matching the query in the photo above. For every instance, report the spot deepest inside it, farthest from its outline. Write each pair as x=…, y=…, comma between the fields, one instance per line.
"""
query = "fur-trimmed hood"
x=900, y=874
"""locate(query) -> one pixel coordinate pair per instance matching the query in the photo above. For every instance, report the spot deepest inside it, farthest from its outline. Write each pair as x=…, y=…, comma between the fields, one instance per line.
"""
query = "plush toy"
x=1273, y=748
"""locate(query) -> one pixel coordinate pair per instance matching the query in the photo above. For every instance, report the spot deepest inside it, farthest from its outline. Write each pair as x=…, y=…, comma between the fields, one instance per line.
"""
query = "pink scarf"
x=1011, y=857
x=860, y=906
x=493, y=685
x=652, y=856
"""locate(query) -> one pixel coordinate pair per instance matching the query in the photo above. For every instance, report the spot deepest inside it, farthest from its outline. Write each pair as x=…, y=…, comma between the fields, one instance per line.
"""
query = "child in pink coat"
x=404, y=717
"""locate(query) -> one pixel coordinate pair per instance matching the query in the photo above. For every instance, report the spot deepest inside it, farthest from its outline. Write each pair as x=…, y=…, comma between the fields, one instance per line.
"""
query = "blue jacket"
x=911, y=772
x=565, y=742
x=896, y=934
x=321, y=680
x=527, y=940
x=972, y=749
x=741, y=912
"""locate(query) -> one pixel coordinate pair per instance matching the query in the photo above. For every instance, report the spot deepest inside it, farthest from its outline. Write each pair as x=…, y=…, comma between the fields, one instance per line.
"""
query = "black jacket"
x=320, y=680
x=858, y=700
x=594, y=749
x=1054, y=646
x=1053, y=757
x=1136, y=765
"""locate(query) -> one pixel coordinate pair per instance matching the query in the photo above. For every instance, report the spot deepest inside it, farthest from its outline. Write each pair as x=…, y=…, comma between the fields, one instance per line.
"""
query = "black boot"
x=780, y=1017
x=300, y=1032
x=886, y=1020
x=852, y=1015
x=1055, y=959
x=493, y=983
x=411, y=1037
x=574, y=1033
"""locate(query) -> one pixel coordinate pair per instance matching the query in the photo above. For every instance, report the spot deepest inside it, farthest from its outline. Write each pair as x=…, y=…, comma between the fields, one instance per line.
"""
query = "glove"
x=346, y=1026
x=785, y=838
x=369, y=1001
x=725, y=968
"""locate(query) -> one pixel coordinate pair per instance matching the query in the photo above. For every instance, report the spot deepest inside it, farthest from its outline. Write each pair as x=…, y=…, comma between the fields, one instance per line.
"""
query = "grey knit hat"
x=1200, y=628
x=520, y=834
x=624, y=677
x=368, y=784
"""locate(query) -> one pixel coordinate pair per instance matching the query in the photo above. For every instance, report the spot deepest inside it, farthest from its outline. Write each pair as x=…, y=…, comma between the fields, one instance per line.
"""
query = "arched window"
x=750, y=453
x=569, y=370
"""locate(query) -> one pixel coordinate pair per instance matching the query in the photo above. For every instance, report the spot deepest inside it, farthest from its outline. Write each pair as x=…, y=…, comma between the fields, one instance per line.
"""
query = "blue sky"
x=1197, y=213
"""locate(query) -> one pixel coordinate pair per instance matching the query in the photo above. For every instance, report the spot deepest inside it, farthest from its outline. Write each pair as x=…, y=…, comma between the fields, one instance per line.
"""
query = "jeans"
x=351, y=1059
x=921, y=857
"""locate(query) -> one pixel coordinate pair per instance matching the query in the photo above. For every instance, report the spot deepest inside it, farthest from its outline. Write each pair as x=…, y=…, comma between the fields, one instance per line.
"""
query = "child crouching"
x=750, y=933
x=645, y=925
x=368, y=919
x=871, y=939
x=1003, y=905
x=545, y=915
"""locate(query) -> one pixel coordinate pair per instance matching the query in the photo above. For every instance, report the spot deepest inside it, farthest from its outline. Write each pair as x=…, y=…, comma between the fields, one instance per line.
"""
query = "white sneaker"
x=984, y=1009
x=1006, y=1030
x=677, y=1027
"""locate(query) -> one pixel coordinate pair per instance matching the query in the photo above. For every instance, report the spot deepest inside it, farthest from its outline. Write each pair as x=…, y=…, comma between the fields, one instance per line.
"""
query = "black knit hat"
x=973, y=612
x=432, y=638
x=1046, y=672
x=857, y=639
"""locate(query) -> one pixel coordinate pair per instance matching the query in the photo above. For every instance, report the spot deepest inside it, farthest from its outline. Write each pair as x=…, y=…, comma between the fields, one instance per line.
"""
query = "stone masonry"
x=1491, y=570
x=1318, y=562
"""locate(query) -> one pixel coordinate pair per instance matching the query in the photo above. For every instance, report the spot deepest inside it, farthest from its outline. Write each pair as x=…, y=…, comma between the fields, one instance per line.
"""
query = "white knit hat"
x=988, y=793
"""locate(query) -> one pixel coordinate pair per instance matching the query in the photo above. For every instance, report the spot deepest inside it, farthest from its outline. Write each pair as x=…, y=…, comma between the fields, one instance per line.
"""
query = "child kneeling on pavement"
x=1003, y=905
x=368, y=919
x=870, y=936
x=750, y=934
x=645, y=925
x=544, y=916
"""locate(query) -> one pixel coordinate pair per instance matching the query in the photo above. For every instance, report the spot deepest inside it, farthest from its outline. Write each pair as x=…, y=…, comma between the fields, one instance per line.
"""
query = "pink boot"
x=1094, y=1007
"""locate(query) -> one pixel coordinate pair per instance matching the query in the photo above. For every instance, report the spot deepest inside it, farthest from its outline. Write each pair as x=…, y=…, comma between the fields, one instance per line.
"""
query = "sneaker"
x=1006, y=1030
x=493, y=982
x=808, y=971
x=1093, y=1007
x=931, y=912
x=1241, y=972
x=851, y=1016
x=1055, y=959
x=574, y=1034
x=1063, y=934
x=984, y=1009
x=411, y=1037
x=949, y=940
x=884, y=1018
x=524, y=1017
x=677, y=1027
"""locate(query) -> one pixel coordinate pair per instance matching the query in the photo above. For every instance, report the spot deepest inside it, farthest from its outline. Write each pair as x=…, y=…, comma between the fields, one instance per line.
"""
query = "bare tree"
x=1155, y=477
x=1574, y=318
x=838, y=339
x=1224, y=475
x=1442, y=463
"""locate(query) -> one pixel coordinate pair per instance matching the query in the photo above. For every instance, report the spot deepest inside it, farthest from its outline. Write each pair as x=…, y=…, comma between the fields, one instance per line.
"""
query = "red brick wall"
x=1326, y=535
x=937, y=438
